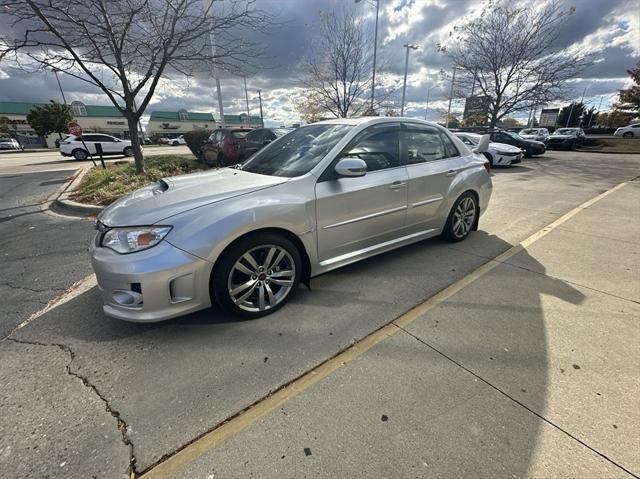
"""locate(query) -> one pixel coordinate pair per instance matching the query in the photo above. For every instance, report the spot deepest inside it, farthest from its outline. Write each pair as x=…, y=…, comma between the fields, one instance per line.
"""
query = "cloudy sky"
x=608, y=28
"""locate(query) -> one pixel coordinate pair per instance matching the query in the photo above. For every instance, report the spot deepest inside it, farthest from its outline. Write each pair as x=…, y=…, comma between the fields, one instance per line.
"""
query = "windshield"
x=296, y=153
x=513, y=135
x=565, y=131
x=280, y=131
x=529, y=132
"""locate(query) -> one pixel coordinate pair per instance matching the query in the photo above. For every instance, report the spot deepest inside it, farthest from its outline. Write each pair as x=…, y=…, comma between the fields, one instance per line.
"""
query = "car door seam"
x=366, y=217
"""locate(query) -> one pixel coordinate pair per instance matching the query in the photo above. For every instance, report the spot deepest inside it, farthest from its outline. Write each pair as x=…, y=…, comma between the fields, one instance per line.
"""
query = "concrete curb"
x=62, y=204
x=609, y=152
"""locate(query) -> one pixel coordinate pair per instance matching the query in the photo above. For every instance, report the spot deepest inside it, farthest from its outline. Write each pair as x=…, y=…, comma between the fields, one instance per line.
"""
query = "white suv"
x=73, y=145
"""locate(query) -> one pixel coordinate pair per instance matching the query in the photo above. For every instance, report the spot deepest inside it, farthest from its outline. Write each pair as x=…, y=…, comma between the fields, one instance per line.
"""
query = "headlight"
x=500, y=152
x=128, y=240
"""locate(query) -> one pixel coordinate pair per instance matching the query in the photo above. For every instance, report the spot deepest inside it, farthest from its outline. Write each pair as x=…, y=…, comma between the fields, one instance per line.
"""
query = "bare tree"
x=338, y=72
x=124, y=47
x=509, y=54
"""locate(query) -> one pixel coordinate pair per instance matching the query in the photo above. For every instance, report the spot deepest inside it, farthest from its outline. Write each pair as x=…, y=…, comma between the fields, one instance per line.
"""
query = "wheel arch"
x=306, y=262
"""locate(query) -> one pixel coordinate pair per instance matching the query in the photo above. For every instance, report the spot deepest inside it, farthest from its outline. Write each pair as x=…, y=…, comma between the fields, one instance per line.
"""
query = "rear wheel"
x=257, y=275
x=175, y=143
x=80, y=155
x=128, y=151
x=462, y=218
x=628, y=134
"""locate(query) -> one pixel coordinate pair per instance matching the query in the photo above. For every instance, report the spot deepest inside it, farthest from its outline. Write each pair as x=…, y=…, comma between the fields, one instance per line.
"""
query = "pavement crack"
x=121, y=423
x=513, y=399
x=26, y=288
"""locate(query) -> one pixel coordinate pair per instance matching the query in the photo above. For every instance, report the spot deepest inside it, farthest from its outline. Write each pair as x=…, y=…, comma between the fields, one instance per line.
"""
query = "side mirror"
x=350, y=166
x=483, y=145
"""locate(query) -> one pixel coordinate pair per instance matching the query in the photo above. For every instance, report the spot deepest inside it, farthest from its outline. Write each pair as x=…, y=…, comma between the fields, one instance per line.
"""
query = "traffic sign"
x=74, y=128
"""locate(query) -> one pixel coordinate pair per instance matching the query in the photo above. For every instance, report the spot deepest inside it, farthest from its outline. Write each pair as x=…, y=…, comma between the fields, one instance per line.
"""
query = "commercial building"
x=92, y=118
x=170, y=124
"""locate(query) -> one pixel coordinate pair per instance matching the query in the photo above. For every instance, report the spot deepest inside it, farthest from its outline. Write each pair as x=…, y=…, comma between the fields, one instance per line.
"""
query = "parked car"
x=222, y=146
x=570, y=138
x=321, y=197
x=498, y=154
x=529, y=147
x=631, y=131
x=163, y=141
x=147, y=141
x=537, y=134
x=258, y=139
x=74, y=146
x=9, y=144
x=177, y=141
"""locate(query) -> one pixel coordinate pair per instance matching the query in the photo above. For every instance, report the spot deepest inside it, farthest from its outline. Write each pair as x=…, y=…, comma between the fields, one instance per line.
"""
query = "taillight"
x=487, y=166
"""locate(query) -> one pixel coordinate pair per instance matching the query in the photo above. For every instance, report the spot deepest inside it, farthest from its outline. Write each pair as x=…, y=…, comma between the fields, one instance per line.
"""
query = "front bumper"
x=151, y=285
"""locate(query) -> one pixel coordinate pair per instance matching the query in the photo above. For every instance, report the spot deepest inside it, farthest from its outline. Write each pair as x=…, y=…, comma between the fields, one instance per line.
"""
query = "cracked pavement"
x=78, y=377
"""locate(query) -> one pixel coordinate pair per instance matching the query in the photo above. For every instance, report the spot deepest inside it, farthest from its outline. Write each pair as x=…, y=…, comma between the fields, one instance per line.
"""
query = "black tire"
x=80, y=154
x=175, y=143
x=222, y=279
x=451, y=231
x=128, y=151
x=222, y=160
x=627, y=134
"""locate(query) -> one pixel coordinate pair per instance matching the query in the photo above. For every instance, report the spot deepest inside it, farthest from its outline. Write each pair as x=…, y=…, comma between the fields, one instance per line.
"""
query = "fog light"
x=127, y=298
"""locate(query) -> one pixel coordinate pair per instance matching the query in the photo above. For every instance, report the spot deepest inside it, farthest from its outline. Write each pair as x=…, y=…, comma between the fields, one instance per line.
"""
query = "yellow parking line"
x=210, y=440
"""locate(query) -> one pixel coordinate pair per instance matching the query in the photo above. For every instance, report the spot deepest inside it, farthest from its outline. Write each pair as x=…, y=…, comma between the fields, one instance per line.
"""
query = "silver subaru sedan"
x=321, y=197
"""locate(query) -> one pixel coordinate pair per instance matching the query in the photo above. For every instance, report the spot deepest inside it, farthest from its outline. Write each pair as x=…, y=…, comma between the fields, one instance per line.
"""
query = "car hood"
x=504, y=147
x=171, y=196
x=535, y=143
x=531, y=137
x=562, y=137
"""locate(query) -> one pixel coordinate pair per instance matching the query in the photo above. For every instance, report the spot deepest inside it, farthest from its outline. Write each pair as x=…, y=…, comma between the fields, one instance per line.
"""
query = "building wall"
x=172, y=128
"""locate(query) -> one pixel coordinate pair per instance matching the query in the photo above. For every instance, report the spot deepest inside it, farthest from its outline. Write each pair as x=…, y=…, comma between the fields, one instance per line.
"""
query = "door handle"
x=452, y=173
x=397, y=184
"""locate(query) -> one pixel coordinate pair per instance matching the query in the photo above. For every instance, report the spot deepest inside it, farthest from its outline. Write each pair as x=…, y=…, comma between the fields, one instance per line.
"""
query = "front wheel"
x=128, y=151
x=462, y=218
x=257, y=275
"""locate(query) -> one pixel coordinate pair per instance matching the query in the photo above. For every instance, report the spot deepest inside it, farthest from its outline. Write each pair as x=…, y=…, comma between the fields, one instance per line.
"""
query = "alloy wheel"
x=463, y=217
x=261, y=278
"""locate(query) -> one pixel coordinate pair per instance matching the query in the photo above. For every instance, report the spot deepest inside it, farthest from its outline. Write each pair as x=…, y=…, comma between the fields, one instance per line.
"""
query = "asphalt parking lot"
x=528, y=369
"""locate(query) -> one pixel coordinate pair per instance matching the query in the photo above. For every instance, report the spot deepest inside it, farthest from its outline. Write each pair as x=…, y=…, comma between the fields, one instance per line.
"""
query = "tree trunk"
x=135, y=145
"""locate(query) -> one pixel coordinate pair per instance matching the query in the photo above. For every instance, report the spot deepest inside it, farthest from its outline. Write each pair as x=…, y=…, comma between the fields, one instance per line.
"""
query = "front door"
x=433, y=162
x=357, y=215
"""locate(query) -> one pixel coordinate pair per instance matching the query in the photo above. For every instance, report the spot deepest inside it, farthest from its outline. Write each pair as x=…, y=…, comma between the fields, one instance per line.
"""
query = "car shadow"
x=221, y=364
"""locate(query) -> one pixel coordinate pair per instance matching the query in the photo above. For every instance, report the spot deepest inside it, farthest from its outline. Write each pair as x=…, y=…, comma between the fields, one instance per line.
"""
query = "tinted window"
x=298, y=152
x=379, y=147
x=278, y=132
x=423, y=144
x=254, y=136
x=450, y=149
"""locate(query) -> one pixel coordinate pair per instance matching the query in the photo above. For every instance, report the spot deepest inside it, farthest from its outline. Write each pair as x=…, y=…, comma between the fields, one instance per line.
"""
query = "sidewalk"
x=529, y=371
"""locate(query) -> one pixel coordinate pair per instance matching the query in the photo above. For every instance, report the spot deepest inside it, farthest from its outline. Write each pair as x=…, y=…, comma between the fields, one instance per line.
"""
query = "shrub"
x=195, y=139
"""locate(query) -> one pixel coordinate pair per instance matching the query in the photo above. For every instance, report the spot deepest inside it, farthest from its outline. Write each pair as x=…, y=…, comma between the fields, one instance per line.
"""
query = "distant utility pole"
x=209, y=7
x=246, y=96
x=64, y=100
x=592, y=115
x=453, y=81
x=406, y=67
x=261, y=116
x=375, y=51
x=426, y=108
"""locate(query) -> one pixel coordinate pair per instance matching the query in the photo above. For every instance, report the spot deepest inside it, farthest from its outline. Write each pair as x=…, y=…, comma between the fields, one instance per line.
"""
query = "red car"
x=222, y=146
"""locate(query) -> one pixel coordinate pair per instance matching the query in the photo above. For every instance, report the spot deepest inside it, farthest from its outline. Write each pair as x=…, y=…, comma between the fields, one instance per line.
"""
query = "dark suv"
x=222, y=146
x=529, y=147
x=257, y=139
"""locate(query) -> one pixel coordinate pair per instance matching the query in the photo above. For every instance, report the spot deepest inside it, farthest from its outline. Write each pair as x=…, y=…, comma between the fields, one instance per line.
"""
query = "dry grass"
x=104, y=186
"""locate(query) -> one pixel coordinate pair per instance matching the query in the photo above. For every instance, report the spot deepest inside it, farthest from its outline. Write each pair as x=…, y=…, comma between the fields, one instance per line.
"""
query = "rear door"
x=432, y=162
x=210, y=149
x=355, y=215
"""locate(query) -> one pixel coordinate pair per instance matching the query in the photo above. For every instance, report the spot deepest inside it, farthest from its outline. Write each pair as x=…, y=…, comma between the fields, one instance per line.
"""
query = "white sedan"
x=9, y=144
x=498, y=154
x=177, y=141
x=631, y=131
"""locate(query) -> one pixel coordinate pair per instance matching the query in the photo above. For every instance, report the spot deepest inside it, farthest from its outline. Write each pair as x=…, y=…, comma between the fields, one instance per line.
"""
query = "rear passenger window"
x=423, y=144
x=449, y=148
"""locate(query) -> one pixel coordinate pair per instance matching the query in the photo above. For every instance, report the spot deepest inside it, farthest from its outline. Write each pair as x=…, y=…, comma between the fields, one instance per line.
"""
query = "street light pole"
x=55, y=72
x=426, y=108
x=375, y=51
x=453, y=80
x=261, y=117
x=209, y=8
x=406, y=67
x=246, y=96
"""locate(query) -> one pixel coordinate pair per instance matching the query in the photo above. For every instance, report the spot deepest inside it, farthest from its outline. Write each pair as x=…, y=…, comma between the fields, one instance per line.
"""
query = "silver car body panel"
x=338, y=221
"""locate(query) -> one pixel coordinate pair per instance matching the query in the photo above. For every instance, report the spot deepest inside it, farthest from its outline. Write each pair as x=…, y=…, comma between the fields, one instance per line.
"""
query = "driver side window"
x=379, y=147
